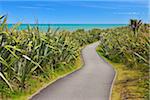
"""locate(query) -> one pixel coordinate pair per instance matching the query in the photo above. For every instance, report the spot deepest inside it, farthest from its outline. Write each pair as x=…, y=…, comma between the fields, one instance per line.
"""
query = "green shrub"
x=31, y=52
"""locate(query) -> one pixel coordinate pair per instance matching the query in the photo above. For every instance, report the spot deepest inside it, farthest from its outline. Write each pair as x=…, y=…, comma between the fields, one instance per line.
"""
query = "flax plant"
x=29, y=53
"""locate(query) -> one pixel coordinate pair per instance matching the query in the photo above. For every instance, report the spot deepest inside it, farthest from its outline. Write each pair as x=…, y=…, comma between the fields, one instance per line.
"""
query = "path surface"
x=92, y=82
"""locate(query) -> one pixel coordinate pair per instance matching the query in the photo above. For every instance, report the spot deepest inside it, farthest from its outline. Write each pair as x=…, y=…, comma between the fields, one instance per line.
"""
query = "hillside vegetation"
x=127, y=49
x=29, y=57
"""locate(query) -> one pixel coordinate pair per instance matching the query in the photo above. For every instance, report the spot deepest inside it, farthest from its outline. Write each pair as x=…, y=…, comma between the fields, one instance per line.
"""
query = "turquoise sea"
x=70, y=27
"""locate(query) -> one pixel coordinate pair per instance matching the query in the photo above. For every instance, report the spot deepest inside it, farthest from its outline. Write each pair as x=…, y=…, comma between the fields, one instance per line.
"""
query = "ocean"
x=70, y=27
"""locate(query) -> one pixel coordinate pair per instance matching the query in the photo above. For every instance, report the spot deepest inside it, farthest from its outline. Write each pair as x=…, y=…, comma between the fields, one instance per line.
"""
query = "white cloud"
x=28, y=7
x=126, y=13
x=36, y=7
x=96, y=6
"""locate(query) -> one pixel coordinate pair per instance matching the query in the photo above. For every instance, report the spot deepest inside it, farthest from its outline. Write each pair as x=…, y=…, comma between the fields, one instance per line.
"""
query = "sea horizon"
x=70, y=27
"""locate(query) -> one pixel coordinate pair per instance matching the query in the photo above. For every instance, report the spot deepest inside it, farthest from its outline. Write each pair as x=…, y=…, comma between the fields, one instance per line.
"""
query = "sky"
x=75, y=11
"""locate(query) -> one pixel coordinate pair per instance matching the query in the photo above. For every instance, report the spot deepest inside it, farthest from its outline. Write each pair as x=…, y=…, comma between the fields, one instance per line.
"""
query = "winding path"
x=92, y=82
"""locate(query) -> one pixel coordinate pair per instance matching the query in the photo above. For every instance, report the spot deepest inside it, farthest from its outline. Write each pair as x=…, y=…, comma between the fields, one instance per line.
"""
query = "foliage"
x=29, y=53
x=135, y=24
x=129, y=45
x=121, y=45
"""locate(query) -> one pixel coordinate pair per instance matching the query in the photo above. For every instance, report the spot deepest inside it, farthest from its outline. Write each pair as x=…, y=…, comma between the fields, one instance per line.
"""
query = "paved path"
x=92, y=82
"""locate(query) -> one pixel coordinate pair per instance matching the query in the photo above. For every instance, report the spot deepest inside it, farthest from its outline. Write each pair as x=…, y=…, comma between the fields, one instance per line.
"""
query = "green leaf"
x=3, y=61
x=141, y=57
x=2, y=76
x=1, y=17
x=28, y=58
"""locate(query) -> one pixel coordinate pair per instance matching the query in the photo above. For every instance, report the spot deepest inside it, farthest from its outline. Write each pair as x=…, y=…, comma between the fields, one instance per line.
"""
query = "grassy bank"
x=127, y=49
x=129, y=84
x=39, y=83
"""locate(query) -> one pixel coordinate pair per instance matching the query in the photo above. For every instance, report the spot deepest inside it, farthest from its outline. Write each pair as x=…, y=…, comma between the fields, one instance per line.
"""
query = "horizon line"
x=69, y=23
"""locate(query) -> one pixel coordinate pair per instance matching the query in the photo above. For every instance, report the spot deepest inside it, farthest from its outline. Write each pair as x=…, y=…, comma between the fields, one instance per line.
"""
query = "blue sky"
x=81, y=12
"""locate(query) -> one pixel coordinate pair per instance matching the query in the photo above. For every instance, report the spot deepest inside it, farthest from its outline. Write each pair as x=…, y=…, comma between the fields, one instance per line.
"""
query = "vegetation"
x=129, y=46
x=29, y=57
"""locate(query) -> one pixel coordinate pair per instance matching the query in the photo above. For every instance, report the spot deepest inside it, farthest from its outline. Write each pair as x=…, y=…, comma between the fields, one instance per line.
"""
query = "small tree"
x=135, y=24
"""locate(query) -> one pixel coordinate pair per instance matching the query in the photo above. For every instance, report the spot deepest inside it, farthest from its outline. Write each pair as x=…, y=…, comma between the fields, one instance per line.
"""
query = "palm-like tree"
x=135, y=24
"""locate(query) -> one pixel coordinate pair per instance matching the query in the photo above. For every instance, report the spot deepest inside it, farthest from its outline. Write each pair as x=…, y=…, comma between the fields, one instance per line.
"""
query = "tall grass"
x=31, y=52
x=129, y=45
x=122, y=45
